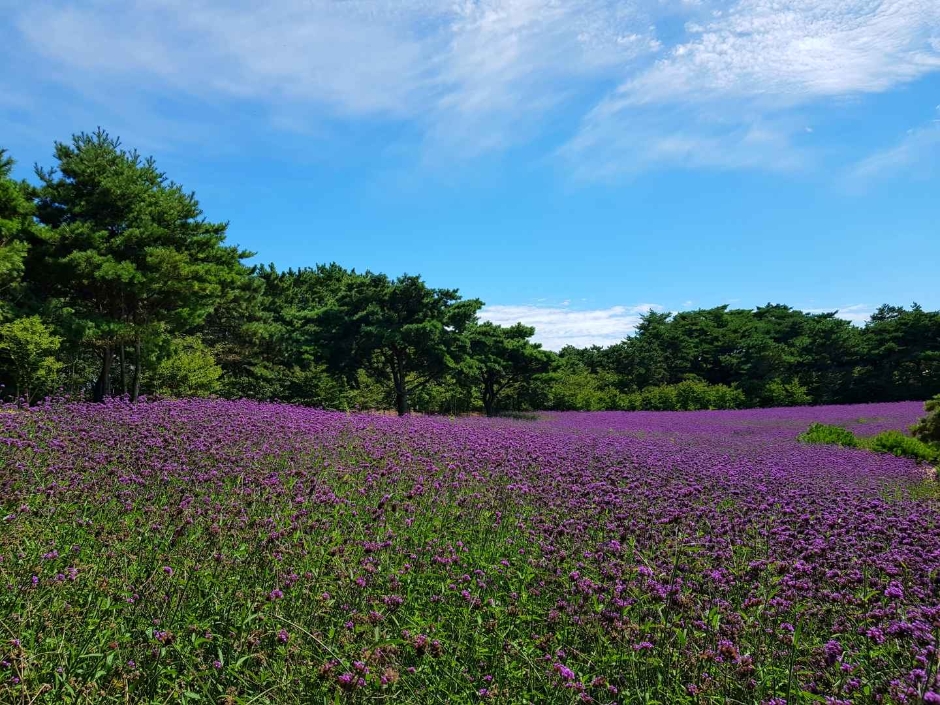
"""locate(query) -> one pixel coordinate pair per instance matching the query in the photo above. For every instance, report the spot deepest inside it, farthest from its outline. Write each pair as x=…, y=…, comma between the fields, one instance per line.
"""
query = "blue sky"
x=570, y=162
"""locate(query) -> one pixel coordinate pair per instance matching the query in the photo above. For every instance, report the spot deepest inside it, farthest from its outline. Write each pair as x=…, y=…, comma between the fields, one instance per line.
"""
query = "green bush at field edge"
x=893, y=442
x=928, y=428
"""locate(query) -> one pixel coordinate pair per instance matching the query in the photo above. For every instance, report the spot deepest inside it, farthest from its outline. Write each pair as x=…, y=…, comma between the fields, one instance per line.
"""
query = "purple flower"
x=833, y=650
x=895, y=590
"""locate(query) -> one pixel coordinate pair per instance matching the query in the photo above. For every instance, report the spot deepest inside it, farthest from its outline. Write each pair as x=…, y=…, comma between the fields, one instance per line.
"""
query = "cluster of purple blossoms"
x=685, y=554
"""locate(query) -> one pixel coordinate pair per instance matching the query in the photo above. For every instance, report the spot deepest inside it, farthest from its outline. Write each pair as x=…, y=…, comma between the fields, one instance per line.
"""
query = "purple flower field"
x=213, y=551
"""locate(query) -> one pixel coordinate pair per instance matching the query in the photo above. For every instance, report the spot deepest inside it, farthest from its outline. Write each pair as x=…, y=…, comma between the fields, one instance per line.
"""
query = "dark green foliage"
x=121, y=266
x=901, y=354
x=16, y=226
x=501, y=360
x=127, y=249
x=399, y=330
x=829, y=435
x=928, y=428
x=775, y=355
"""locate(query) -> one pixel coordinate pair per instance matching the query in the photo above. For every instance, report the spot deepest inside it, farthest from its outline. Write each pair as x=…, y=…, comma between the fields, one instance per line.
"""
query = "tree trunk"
x=138, y=363
x=123, y=372
x=103, y=385
x=489, y=398
x=401, y=399
x=401, y=390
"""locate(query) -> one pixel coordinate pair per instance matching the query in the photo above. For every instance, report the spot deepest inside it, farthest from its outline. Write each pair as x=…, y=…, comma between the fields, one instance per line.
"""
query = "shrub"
x=898, y=444
x=190, y=371
x=576, y=389
x=689, y=395
x=829, y=435
x=893, y=442
x=781, y=393
x=725, y=397
x=30, y=346
x=928, y=428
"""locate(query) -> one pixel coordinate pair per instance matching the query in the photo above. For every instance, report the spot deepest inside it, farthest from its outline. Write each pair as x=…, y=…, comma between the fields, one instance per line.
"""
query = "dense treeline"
x=113, y=283
x=774, y=355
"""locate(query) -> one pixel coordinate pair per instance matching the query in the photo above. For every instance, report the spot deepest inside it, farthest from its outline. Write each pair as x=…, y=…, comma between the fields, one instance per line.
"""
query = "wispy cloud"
x=917, y=153
x=789, y=51
x=729, y=95
x=467, y=73
x=556, y=327
x=856, y=313
x=691, y=83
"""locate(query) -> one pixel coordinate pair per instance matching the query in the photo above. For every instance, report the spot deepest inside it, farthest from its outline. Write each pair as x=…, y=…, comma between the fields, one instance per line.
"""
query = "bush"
x=690, y=395
x=829, y=435
x=898, y=444
x=928, y=428
x=189, y=371
x=576, y=389
x=893, y=442
x=780, y=393
x=30, y=347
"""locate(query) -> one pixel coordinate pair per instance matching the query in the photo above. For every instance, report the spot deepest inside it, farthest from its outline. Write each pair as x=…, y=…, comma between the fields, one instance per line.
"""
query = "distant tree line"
x=112, y=283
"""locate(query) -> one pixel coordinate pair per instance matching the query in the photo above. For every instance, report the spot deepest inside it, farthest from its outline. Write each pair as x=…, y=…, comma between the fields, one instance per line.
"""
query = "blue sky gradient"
x=570, y=162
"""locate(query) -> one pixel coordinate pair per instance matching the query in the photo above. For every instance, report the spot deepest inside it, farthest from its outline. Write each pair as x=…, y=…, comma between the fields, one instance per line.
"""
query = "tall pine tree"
x=127, y=250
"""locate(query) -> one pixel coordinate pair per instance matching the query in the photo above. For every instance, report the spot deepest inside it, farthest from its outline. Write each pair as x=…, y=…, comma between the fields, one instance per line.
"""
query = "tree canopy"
x=399, y=329
x=16, y=226
x=106, y=264
x=127, y=249
x=502, y=359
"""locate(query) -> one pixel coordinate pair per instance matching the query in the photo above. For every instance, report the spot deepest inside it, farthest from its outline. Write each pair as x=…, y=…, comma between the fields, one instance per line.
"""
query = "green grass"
x=519, y=415
x=893, y=442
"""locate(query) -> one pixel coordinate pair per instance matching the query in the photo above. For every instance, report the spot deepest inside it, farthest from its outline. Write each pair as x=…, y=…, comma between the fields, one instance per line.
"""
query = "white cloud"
x=792, y=50
x=609, y=146
x=471, y=73
x=856, y=313
x=730, y=96
x=557, y=327
x=467, y=76
x=917, y=153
